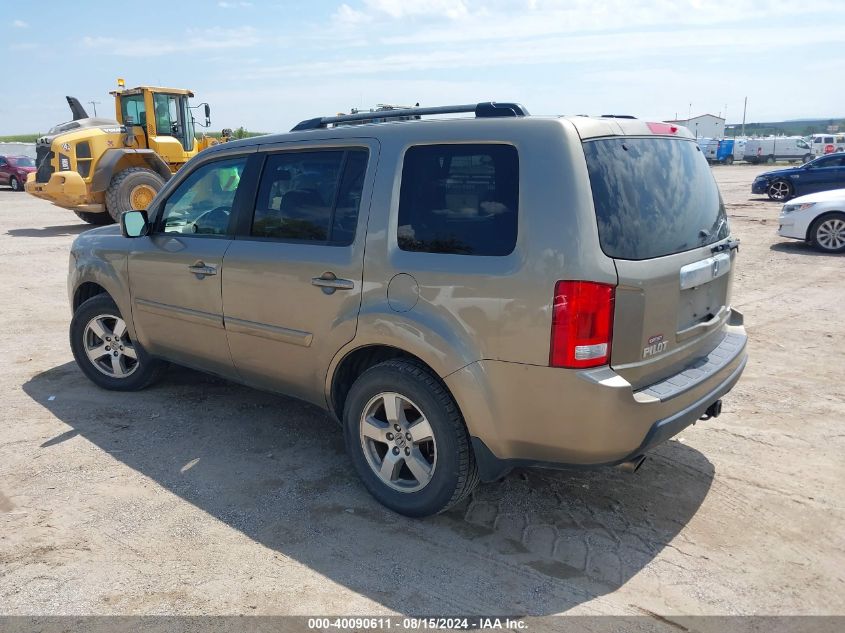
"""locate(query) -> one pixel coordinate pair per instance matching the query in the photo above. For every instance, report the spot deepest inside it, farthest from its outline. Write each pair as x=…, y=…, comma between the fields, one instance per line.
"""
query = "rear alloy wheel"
x=807, y=158
x=104, y=351
x=729, y=160
x=828, y=233
x=770, y=160
x=398, y=442
x=15, y=184
x=779, y=190
x=407, y=439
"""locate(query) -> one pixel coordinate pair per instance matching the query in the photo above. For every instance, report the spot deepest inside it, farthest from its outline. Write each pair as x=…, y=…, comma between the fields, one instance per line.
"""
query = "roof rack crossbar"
x=487, y=109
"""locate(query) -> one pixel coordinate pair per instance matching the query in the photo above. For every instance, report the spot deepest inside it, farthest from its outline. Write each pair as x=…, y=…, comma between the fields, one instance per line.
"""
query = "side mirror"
x=207, y=115
x=134, y=224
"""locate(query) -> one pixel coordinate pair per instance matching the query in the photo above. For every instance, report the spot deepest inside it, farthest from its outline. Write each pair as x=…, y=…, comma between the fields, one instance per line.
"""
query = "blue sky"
x=267, y=65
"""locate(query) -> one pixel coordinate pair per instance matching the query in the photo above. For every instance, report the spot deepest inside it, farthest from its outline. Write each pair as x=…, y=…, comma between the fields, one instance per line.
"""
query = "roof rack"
x=483, y=110
x=618, y=116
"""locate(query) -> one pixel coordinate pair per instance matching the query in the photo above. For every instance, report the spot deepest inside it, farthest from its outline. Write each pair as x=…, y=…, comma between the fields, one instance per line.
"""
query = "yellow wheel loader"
x=100, y=167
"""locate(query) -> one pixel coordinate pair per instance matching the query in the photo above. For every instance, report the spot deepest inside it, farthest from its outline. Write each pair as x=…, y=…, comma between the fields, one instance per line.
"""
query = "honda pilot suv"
x=465, y=295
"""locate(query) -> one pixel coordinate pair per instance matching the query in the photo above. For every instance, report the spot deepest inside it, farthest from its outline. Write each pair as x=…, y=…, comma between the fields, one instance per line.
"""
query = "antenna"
x=94, y=105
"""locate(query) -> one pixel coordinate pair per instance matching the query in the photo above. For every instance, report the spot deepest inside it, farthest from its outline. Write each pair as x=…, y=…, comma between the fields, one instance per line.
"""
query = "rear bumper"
x=526, y=415
x=65, y=189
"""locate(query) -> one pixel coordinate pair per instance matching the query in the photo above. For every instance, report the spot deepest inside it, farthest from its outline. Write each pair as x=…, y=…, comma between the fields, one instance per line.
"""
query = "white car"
x=818, y=218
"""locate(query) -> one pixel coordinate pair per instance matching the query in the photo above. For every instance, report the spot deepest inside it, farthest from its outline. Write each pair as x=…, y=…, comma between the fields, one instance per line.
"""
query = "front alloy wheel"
x=15, y=184
x=108, y=347
x=398, y=442
x=104, y=351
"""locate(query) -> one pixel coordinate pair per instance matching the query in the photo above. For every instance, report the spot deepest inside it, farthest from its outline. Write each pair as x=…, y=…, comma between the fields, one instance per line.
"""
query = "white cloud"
x=19, y=24
x=233, y=5
x=399, y=9
x=347, y=16
x=585, y=49
x=195, y=40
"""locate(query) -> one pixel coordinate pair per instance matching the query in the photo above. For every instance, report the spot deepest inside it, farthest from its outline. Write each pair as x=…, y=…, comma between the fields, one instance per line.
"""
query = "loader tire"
x=98, y=219
x=132, y=188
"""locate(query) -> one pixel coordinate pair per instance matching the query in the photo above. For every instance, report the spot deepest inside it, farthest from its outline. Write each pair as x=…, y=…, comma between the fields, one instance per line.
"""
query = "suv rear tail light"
x=582, y=324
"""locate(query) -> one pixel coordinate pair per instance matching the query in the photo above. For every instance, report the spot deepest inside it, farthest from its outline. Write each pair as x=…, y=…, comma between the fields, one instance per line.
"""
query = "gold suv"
x=464, y=295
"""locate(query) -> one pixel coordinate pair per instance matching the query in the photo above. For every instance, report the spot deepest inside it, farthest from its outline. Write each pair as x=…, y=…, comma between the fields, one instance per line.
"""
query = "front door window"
x=202, y=204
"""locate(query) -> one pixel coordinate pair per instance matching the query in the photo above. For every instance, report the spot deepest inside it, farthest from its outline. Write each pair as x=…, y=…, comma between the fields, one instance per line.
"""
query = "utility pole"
x=689, y=113
x=94, y=104
x=744, y=107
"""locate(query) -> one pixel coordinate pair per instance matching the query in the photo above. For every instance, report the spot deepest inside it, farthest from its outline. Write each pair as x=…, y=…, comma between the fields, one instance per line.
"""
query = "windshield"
x=22, y=161
x=653, y=197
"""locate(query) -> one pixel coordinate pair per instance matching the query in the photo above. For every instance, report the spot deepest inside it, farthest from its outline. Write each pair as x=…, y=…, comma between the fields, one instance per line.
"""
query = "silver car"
x=465, y=295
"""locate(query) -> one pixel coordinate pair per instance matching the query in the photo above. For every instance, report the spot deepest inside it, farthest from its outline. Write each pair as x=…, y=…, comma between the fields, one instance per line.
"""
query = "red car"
x=13, y=170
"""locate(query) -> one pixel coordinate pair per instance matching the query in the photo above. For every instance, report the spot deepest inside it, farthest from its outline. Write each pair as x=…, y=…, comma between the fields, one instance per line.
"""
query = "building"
x=703, y=126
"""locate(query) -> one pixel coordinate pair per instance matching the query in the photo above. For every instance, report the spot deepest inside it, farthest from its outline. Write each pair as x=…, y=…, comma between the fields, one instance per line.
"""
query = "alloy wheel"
x=779, y=190
x=831, y=234
x=108, y=346
x=14, y=184
x=398, y=442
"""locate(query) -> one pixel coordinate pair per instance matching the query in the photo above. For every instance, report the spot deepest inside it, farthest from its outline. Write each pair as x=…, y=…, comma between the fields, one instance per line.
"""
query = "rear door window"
x=653, y=197
x=311, y=196
x=459, y=199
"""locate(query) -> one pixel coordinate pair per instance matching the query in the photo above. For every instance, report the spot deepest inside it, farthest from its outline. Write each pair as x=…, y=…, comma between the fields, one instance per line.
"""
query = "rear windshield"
x=653, y=197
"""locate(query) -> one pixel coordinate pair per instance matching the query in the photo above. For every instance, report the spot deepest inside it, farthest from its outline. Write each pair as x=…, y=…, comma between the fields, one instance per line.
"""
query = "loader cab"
x=165, y=119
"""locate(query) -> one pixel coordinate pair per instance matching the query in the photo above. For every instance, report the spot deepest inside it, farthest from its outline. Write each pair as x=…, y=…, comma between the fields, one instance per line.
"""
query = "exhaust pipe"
x=633, y=465
x=713, y=411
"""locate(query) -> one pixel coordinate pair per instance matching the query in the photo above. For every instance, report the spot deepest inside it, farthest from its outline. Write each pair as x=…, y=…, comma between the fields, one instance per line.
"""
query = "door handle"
x=329, y=282
x=201, y=269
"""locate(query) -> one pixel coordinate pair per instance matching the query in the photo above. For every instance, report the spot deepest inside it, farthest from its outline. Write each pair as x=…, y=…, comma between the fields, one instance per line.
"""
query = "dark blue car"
x=822, y=174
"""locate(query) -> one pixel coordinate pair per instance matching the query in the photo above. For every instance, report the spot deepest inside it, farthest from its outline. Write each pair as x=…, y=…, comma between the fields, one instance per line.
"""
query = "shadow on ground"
x=539, y=542
x=50, y=231
x=798, y=247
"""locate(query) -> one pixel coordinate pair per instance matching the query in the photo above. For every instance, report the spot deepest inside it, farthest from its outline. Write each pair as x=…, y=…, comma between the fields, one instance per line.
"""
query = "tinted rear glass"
x=653, y=197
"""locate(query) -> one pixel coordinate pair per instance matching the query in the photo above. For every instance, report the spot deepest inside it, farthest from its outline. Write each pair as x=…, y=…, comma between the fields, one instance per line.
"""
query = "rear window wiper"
x=731, y=244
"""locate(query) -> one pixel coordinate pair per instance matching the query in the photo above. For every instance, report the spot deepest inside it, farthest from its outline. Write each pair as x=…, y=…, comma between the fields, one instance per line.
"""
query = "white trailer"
x=773, y=148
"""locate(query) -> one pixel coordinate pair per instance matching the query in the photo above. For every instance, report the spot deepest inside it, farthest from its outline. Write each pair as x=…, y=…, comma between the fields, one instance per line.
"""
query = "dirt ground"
x=200, y=496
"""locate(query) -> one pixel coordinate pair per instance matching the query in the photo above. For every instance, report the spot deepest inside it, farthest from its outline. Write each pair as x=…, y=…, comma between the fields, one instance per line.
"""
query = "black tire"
x=780, y=190
x=807, y=158
x=770, y=160
x=15, y=184
x=813, y=233
x=729, y=160
x=98, y=219
x=118, y=195
x=455, y=474
x=147, y=369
